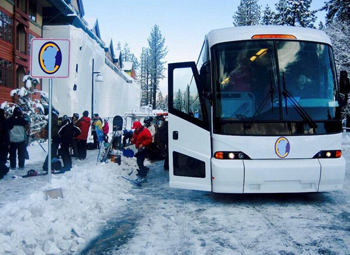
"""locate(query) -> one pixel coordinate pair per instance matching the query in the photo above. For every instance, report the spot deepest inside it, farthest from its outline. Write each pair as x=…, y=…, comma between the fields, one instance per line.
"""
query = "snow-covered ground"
x=101, y=213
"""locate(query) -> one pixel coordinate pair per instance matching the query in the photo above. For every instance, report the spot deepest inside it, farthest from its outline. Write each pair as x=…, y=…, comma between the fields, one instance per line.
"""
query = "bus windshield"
x=275, y=87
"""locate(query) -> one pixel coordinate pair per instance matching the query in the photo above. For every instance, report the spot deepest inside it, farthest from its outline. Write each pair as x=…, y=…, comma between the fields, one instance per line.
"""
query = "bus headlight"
x=230, y=155
x=328, y=154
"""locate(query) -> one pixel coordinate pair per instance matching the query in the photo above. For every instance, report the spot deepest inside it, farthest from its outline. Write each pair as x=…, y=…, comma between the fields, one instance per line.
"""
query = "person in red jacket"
x=142, y=138
x=83, y=124
x=105, y=130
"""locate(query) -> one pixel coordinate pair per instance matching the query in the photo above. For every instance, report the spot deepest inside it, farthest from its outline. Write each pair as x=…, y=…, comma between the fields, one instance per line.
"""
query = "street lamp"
x=99, y=78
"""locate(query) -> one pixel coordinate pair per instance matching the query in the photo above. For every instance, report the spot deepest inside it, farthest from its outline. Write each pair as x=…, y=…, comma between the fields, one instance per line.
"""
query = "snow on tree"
x=178, y=102
x=145, y=77
x=126, y=54
x=337, y=28
x=162, y=102
x=248, y=13
x=157, y=52
x=337, y=10
x=295, y=13
x=269, y=16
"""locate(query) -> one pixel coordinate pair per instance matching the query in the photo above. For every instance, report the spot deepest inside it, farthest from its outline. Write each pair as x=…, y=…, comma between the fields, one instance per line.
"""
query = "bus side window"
x=185, y=93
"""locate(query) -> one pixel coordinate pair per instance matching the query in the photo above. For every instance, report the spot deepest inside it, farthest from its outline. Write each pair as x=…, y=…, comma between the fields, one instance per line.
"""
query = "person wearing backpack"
x=5, y=127
x=18, y=138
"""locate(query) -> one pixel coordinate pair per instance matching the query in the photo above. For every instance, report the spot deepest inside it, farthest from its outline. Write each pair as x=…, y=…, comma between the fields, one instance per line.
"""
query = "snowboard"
x=115, y=142
x=132, y=181
x=33, y=173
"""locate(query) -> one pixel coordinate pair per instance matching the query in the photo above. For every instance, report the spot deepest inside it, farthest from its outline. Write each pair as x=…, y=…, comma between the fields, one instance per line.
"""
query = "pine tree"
x=269, y=17
x=119, y=46
x=340, y=34
x=126, y=55
x=295, y=13
x=145, y=77
x=157, y=52
x=178, y=102
x=162, y=102
x=248, y=13
x=337, y=10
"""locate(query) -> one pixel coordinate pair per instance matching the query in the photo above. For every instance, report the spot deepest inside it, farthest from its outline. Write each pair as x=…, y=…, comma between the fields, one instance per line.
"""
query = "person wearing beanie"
x=5, y=127
x=142, y=139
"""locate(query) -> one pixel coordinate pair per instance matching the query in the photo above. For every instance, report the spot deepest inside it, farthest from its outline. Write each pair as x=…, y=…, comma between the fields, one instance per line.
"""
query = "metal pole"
x=50, y=128
x=92, y=88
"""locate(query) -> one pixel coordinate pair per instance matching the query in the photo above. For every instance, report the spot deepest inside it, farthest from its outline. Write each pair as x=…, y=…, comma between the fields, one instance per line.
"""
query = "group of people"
x=67, y=134
x=72, y=135
x=69, y=137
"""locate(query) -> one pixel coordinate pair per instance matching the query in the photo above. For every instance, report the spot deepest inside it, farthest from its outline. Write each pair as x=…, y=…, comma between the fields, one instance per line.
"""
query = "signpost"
x=49, y=58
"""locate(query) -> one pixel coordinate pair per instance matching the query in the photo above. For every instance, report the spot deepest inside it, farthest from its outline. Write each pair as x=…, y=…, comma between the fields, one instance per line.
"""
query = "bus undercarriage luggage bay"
x=260, y=112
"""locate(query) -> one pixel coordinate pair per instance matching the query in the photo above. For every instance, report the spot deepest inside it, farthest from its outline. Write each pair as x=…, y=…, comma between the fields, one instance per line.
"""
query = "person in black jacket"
x=67, y=132
x=5, y=127
x=18, y=137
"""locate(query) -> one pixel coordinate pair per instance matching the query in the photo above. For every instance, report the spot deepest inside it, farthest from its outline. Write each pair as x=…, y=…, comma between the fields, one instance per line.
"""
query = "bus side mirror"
x=204, y=77
x=344, y=82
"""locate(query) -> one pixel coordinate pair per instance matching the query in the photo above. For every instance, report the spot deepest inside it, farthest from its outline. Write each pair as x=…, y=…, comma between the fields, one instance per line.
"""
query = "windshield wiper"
x=262, y=105
x=300, y=110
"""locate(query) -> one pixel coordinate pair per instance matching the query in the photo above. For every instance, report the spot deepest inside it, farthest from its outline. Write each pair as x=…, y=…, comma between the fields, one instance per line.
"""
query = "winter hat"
x=17, y=111
x=137, y=124
x=65, y=117
x=85, y=113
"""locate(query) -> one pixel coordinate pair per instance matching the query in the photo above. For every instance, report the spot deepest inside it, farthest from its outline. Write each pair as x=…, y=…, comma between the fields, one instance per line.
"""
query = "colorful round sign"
x=282, y=147
x=50, y=57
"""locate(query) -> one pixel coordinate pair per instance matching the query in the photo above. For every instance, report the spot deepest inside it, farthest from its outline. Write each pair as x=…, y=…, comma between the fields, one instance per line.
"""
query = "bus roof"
x=246, y=33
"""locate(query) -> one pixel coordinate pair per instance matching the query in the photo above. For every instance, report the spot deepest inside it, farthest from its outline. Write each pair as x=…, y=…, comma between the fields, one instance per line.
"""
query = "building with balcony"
x=23, y=20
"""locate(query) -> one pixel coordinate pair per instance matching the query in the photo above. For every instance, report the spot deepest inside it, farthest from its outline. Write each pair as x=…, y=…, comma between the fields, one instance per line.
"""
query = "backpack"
x=18, y=134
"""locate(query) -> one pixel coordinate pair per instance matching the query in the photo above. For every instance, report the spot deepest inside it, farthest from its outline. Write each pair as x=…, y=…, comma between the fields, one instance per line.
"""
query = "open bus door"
x=189, y=133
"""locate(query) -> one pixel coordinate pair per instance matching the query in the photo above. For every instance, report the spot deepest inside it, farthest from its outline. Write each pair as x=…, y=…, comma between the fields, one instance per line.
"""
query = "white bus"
x=260, y=112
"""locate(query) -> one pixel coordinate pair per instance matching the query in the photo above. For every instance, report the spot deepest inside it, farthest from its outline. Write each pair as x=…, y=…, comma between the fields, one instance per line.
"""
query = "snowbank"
x=32, y=225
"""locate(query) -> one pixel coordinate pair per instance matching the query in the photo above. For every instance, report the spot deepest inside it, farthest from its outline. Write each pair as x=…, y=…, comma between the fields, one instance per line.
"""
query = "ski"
x=132, y=181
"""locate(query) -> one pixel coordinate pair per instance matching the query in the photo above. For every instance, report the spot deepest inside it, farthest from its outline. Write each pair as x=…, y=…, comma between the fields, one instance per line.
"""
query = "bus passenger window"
x=185, y=93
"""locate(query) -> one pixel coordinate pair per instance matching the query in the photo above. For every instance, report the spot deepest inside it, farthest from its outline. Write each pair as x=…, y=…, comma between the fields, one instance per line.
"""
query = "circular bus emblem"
x=50, y=58
x=282, y=147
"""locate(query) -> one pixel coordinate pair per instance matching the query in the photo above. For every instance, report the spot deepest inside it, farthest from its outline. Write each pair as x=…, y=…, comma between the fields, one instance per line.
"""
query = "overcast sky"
x=182, y=23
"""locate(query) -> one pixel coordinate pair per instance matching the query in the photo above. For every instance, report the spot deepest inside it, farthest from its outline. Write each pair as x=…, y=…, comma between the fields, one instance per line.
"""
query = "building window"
x=6, y=24
x=32, y=10
x=22, y=5
x=5, y=73
x=21, y=42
